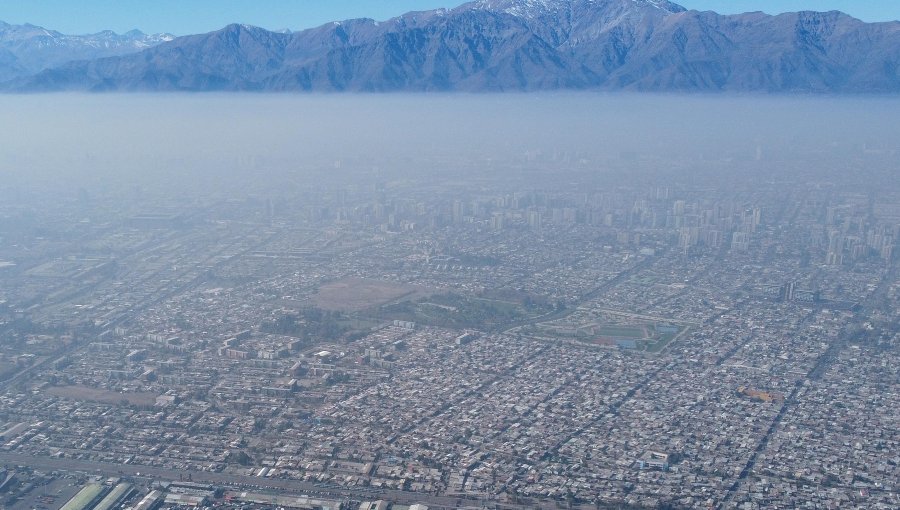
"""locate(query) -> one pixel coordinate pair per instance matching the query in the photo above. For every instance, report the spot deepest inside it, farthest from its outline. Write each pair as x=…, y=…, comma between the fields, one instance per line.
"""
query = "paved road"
x=245, y=481
x=603, y=287
x=822, y=364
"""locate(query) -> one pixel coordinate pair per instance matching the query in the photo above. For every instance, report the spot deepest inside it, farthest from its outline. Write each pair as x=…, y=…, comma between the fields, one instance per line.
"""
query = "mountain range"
x=28, y=49
x=488, y=45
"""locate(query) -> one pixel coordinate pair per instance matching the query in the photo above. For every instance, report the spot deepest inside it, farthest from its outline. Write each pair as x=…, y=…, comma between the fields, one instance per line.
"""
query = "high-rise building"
x=835, y=253
x=534, y=219
x=497, y=221
x=787, y=292
x=740, y=241
x=458, y=211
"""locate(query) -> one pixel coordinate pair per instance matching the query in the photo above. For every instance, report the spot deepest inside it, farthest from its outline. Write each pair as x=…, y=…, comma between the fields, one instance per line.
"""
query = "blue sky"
x=195, y=16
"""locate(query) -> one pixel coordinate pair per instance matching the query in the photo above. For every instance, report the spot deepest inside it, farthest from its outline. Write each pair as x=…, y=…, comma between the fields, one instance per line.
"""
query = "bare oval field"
x=84, y=393
x=355, y=294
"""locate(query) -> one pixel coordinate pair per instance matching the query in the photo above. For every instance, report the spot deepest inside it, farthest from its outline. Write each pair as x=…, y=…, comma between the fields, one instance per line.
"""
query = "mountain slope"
x=497, y=45
x=28, y=49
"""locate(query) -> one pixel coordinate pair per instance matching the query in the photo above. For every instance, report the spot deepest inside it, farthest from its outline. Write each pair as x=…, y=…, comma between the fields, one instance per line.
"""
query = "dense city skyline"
x=507, y=302
x=521, y=254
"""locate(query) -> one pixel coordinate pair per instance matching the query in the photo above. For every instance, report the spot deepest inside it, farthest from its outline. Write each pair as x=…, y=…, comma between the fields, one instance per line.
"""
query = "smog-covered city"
x=545, y=300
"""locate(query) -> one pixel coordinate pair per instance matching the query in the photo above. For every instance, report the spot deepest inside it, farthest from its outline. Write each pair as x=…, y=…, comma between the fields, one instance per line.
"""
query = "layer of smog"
x=574, y=300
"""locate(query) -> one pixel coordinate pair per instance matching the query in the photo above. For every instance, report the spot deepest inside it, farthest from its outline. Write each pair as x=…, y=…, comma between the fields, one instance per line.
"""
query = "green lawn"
x=621, y=331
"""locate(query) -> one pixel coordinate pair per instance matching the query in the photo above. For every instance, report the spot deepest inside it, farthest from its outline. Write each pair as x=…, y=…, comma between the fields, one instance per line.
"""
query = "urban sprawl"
x=409, y=344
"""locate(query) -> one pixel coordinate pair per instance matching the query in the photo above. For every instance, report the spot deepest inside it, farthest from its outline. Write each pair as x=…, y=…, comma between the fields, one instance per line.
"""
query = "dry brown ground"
x=353, y=294
x=84, y=393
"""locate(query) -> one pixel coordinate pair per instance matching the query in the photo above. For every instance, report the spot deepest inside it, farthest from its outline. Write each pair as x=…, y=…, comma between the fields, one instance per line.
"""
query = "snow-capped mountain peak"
x=486, y=45
x=522, y=8
x=538, y=8
x=30, y=48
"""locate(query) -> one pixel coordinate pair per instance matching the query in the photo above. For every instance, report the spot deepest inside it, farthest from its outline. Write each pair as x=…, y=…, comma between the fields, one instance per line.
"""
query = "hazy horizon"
x=543, y=300
x=229, y=138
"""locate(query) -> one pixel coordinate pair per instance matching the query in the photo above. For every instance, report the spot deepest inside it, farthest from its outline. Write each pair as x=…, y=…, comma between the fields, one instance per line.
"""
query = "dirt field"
x=353, y=294
x=84, y=393
x=7, y=370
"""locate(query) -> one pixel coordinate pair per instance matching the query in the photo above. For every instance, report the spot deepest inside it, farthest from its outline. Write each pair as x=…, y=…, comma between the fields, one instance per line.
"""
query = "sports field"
x=354, y=294
x=626, y=331
x=84, y=393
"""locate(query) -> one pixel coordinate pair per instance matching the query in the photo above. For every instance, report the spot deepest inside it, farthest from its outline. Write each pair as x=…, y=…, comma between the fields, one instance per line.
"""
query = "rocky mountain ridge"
x=516, y=45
